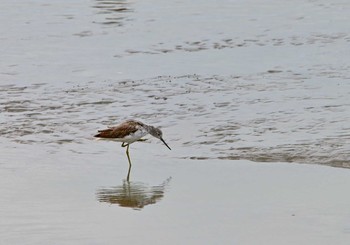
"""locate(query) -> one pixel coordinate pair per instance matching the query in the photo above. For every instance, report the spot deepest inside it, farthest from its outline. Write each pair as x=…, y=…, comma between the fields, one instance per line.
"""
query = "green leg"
x=128, y=176
x=127, y=154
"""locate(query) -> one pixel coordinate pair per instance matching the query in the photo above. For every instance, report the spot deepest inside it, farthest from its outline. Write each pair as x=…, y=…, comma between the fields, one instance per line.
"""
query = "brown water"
x=226, y=81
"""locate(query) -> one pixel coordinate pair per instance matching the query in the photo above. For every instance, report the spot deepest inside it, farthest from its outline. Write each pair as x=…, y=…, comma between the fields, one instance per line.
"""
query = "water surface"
x=227, y=81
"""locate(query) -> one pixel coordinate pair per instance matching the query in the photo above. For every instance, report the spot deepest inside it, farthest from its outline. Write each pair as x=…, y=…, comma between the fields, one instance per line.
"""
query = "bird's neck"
x=148, y=128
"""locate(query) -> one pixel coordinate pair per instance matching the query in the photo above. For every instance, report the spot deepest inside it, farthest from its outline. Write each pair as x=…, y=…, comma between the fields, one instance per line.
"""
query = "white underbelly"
x=134, y=137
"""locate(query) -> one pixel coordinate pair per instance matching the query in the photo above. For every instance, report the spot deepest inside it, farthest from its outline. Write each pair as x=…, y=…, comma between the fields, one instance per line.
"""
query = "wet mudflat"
x=251, y=97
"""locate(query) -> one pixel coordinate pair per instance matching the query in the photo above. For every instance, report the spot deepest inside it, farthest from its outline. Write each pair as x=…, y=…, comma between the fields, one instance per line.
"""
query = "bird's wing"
x=119, y=131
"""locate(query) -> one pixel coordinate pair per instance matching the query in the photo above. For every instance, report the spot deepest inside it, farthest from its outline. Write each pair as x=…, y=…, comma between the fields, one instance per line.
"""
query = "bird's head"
x=156, y=132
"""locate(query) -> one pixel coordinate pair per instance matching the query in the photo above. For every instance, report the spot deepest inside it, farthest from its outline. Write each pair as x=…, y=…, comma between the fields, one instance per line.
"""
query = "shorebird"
x=128, y=132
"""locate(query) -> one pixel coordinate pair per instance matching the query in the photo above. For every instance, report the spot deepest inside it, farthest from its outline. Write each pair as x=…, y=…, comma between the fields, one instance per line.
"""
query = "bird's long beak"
x=165, y=143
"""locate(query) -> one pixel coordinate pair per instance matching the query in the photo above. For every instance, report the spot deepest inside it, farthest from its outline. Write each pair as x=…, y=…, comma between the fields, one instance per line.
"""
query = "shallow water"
x=274, y=116
x=228, y=80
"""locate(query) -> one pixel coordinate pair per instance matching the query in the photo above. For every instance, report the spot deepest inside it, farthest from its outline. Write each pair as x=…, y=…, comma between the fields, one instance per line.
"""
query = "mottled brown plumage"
x=120, y=131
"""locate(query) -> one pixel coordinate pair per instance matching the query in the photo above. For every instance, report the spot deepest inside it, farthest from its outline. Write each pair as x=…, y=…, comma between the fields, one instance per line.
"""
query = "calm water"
x=225, y=80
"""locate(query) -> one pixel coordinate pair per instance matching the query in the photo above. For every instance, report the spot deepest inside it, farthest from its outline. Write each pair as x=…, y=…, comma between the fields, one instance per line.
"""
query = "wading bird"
x=128, y=132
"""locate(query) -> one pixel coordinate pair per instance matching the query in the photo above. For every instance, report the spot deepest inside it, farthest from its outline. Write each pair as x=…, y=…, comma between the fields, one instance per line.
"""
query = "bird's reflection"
x=135, y=195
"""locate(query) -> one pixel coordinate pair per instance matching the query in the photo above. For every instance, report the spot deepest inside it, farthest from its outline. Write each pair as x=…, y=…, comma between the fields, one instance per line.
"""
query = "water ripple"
x=270, y=116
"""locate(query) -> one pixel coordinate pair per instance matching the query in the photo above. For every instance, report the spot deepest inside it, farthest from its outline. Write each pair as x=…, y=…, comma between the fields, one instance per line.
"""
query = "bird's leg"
x=128, y=176
x=127, y=154
x=142, y=140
